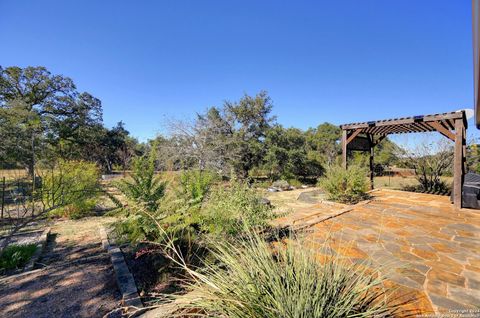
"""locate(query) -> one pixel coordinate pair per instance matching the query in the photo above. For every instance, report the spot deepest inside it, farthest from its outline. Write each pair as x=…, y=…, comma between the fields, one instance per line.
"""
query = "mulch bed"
x=154, y=274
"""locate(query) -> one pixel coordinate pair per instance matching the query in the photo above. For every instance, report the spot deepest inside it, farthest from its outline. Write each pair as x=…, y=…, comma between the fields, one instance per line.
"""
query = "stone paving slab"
x=419, y=241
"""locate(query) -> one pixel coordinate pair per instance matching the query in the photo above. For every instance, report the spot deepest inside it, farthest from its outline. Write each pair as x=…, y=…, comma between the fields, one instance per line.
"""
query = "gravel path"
x=75, y=278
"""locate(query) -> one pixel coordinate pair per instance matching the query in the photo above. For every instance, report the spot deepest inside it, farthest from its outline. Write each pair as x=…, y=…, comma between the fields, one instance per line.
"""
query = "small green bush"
x=177, y=212
x=230, y=209
x=74, y=186
x=145, y=190
x=195, y=184
x=135, y=227
x=346, y=186
x=262, y=184
x=16, y=256
x=144, y=187
x=295, y=183
x=250, y=279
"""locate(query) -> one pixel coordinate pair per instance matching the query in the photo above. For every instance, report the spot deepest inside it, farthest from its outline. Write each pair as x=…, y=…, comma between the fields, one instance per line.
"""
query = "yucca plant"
x=251, y=279
x=144, y=187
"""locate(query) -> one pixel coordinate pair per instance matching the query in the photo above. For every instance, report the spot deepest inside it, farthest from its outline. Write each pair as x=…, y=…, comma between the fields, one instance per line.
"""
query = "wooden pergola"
x=365, y=136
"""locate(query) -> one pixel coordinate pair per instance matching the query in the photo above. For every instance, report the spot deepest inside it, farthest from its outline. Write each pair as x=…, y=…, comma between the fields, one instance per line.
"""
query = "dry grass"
x=12, y=174
x=399, y=183
x=83, y=230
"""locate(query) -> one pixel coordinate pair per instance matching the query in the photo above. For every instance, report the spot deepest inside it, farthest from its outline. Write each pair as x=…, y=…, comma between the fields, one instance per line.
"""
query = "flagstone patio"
x=419, y=241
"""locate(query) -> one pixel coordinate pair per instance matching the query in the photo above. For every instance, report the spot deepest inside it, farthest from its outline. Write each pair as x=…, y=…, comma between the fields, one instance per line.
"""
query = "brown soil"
x=75, y=277
x=154, y=274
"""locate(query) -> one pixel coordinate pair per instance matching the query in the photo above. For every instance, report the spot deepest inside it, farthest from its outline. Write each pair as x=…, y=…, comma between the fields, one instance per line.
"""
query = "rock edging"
x=41, y=244
x=124, y=278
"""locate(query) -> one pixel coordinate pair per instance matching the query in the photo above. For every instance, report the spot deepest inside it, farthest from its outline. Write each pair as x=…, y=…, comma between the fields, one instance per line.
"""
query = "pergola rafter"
x=366, y=135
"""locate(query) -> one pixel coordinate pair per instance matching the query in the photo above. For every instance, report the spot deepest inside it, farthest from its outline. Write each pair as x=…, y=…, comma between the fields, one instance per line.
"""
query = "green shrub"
x=136, y=227
x=16, y=256
x=176, y=212
x=78, y=210
x=195, y=184
x=180, y=214
x=144, y=187
x=251, y=281
x=145, y=190
x=74, y=186
x=230, y=209
x=295, y=183
x=346, y=186
x=262, y=184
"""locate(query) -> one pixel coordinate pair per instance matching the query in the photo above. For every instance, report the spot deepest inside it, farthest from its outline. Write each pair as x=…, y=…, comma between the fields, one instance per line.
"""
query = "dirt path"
x=75, y=278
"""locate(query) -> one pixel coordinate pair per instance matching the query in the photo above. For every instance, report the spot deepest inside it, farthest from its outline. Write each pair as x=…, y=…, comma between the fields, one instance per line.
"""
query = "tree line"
x=44, y=117
x=243, y=138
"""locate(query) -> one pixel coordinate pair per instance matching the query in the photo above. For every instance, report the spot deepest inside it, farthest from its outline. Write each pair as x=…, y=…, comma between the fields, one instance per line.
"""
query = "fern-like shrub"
x=143, y=187
x=194, y=185
x=345, y=185
x=145, y=190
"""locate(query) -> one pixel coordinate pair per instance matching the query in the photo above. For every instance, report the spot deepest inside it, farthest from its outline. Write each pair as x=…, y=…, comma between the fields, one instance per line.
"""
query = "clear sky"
x=335, y=61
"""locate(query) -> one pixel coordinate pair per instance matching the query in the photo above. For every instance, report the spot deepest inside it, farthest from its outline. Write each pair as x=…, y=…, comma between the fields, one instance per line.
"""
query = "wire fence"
x=12, y=192
x=26, y=201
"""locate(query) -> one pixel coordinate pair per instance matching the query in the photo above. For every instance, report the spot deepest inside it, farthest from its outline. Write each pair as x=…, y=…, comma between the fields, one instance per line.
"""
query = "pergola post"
x=372, y=164
x=458, y=162
x=344, y=149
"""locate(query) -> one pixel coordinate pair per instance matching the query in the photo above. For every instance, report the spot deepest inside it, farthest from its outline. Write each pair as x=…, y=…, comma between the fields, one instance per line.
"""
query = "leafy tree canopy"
x=39, y=108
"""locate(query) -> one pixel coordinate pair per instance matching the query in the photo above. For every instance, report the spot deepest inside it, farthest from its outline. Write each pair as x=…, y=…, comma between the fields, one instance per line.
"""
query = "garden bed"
x=154, y=274
x=23, y=251
x=27, y=237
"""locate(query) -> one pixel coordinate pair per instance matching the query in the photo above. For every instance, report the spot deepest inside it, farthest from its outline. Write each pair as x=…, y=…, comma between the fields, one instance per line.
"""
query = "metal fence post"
x=3, y=196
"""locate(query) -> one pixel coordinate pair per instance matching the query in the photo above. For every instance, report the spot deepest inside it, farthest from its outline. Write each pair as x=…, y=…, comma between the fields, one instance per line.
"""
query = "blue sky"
x=335, y=61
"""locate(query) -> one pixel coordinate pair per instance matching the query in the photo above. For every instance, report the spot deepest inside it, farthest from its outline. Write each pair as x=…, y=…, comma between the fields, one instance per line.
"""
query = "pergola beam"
x=402, y=121
x=379, y=139
x=353, y=135
x=442, y=130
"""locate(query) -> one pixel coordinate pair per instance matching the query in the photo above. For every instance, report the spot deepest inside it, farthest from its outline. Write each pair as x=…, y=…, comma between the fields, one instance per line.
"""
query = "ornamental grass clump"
x=253, y=279
x=345, y=185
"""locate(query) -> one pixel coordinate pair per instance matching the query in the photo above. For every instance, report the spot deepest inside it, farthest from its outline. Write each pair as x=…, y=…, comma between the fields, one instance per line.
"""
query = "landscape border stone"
x=41, y=244
x=125, y=280
x=316, y=218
